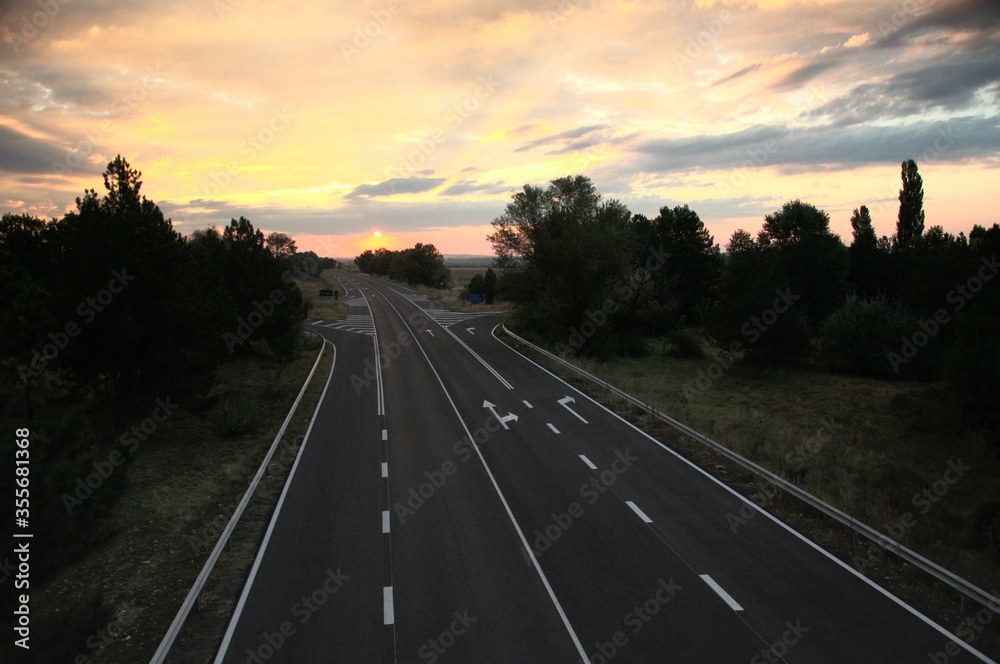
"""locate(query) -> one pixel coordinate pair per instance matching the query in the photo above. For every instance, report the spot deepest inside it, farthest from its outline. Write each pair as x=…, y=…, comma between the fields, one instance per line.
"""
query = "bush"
x=857, y=337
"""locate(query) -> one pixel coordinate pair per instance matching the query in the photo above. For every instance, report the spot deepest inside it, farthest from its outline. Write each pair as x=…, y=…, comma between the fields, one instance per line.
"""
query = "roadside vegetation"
x=152, y=371
x=868, y=374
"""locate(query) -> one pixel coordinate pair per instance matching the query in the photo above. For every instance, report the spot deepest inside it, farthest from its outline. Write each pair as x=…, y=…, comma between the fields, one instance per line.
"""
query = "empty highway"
x=455, y=502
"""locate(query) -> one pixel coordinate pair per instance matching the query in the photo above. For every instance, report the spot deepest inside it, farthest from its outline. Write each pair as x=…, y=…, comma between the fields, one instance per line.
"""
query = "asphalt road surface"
x=455, y=502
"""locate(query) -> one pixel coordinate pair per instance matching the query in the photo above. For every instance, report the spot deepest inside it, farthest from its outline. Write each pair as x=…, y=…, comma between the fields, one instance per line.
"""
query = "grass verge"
x=884, y=452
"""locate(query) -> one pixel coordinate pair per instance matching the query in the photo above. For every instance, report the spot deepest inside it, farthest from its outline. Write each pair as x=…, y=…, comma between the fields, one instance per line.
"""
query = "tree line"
x=587, y=276
x=420, y=265
x=109, y=314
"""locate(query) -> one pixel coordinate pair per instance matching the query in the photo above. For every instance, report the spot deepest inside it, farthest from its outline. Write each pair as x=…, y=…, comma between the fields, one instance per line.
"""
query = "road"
x=455, y=502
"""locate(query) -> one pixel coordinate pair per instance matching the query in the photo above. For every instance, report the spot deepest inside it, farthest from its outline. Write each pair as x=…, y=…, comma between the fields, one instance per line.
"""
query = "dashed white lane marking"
x=726, y=597
x=635, y=508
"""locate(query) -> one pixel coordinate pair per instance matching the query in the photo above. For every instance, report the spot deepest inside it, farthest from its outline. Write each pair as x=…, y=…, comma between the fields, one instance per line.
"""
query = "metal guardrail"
x=175, y=627
x=960, y=585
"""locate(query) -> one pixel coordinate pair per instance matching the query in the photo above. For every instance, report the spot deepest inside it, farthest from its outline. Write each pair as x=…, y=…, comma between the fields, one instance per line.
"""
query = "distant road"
x=563, y=534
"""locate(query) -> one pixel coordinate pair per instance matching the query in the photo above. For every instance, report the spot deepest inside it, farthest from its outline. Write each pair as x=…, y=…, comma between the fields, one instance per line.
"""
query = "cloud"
x=739, y=74
x=472, y=187
x=795, y=149
x=20, y=153
x=976, y=16
x=561, y=137
x=394, y=186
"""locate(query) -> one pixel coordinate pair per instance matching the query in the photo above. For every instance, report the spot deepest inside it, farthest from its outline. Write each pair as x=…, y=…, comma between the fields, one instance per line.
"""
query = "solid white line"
x=385, y=521
x=385, y=470
x=726, y=597
x=553, y=427
x=752, y=505
x=481, y=360
x=388, y=612
x=635, y=508
x=503, y=500
x=270, y=526
x=526, y=403
x=590, y=464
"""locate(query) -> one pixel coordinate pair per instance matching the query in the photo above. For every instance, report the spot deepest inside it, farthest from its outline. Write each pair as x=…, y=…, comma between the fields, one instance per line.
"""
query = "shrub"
x=857, y=337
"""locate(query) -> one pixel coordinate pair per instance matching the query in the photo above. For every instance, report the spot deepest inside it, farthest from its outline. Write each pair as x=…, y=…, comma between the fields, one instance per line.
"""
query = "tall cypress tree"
x=910, y=222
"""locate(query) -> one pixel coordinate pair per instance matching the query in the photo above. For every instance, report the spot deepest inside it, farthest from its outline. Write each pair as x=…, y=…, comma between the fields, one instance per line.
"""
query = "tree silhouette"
x=910, y=221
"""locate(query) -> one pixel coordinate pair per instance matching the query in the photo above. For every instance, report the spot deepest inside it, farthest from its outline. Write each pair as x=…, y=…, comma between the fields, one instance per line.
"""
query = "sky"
x=332, y=120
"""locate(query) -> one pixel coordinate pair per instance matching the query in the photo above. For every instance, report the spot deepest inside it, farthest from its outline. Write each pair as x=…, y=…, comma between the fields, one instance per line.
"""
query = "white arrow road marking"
x=565, y=401
x=502, y=420
x=429, y=332
x=471, y=330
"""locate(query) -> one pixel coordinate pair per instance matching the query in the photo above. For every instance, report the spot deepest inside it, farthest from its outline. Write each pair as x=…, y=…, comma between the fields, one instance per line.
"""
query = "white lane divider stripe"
x=726, y=597
x=590, y=464
x=385, y=521
x=385, y=470
x=553, y=427
x=635, y=508
x=388, y=612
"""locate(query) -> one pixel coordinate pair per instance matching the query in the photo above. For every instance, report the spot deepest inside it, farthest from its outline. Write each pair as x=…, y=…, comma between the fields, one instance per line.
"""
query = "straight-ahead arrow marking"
x=565, y=401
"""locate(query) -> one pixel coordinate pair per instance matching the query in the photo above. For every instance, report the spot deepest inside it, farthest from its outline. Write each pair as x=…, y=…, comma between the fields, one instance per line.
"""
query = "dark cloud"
x=949, y=85
x=22, y=154
x=739, y=74
x=561, y=137
x=806, y=73
x=395, y=186
x=808, y=148
x=977, y=16
x=471, y=187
